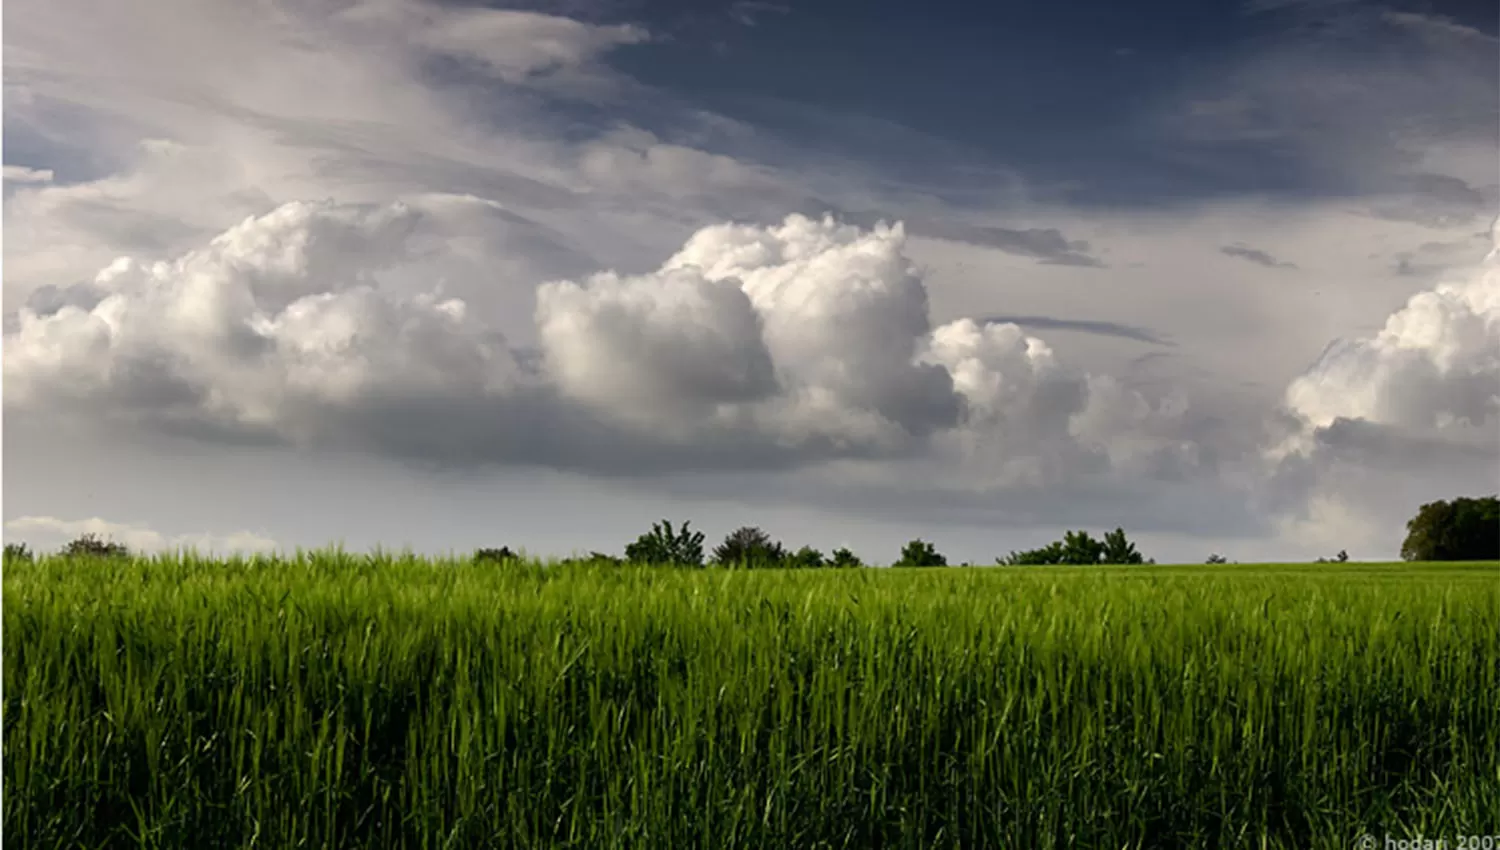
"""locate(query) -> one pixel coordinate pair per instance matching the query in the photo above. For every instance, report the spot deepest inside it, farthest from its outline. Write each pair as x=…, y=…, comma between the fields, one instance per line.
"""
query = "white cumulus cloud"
x=46, y=533
x=1382, y=424
x=354, y=326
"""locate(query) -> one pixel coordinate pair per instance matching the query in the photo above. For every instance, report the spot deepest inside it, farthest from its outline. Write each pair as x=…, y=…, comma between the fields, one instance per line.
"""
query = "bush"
x=1079, y=548
x=749, y=547
x=920, y=553
x=90, y=546
x=1462, y=530
x=17, y=552
x=662, y=545
x=843, y=558
x=806, y=558
x=495, y=556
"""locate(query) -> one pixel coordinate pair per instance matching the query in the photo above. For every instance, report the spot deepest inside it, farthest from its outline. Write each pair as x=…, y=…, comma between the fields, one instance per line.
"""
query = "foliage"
x=663, y=545
x=17, y=552
x=806, y=558
x=91, y=546
x=329, y=700
x=1080, y=548
x=749, y=547
x=1464, y=529
x=920, y=553
x=494, y=556
x=1216, y=558
x=843, y=558
x=1340, y=558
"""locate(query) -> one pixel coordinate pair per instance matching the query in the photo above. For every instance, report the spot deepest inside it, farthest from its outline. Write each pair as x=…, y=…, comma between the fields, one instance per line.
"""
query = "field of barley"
x=339, y=700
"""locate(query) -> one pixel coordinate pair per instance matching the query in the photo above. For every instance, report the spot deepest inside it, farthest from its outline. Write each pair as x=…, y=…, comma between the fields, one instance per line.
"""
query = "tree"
x=842, y=557
x=1118, y=550
x=662, y=545
x=1464, y=529
x=1052, y=553
x=1216, y=558
x=494, y=556
x=920, y=553
x=17, y=552
x=1078, y=547
x=90, y=546
x=806, y=558
x=749, y=547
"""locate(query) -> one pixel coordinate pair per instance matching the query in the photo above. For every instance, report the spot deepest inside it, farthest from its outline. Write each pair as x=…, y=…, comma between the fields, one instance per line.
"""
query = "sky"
x=444, y=275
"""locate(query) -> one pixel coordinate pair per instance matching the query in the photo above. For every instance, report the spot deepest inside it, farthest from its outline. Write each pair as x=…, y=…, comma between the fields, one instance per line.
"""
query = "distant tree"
x=1216, y=559
x=1340, y=558
x=1118, y=550
x=592, y=559
x=1052, y=553
x=17, y=552
x=494, y=556
x=842, y=557
x=1464, y=529
x=1079, y=547
x=662, y=545
x=920, y=553
x=807, y=558
x=90, y=546
x=750, y=547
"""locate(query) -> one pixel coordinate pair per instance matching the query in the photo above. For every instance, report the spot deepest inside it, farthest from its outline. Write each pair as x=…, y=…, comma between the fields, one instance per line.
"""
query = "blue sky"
x=404, y=272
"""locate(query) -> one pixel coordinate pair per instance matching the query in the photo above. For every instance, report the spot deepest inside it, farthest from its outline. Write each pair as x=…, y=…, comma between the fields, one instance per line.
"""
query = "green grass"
x=335, y=700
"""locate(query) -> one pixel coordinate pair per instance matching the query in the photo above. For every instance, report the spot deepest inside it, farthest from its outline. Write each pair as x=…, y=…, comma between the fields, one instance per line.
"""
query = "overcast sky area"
x=448, y=275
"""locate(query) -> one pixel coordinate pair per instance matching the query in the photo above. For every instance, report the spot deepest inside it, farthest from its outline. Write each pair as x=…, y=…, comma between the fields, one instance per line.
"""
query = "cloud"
x=1380, y=424
x=24, y=174
x=1435, y=363
x=793, y=344
x=1436, y=257
x=1048, y=245
x=748, y=12
x=1255, y=255
x=1433, y=200
x=1395, y=112
x=1437, y=28
x=1114, y=329
x=50, y=533
x=511, y=45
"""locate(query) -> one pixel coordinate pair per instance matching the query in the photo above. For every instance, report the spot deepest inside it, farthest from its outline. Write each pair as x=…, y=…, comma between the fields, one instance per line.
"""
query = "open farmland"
x=339, y=700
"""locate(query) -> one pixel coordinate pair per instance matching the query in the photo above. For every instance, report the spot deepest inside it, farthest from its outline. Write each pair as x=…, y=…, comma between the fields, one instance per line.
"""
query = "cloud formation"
x=1255, y=255
x=1380, y=424
x=46, y=533
x=24, y=174
x=797, y=343
x=1435, y=364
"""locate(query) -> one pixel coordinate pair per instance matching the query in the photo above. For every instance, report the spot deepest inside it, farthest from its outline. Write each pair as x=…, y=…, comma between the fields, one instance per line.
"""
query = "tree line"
x=1464, y=529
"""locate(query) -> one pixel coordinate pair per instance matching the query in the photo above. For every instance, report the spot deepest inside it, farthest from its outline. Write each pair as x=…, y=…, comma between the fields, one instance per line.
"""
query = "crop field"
x=338, y=700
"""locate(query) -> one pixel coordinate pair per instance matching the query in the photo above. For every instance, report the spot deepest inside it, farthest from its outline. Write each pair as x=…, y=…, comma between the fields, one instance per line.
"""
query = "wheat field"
x=338, y=700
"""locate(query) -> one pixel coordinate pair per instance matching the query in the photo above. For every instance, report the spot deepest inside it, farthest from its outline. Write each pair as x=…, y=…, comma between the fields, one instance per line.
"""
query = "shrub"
x=90, y=546
x=17, y=552
x=495, y=556
x=749, y=547
x=663, y=545
x=920, y=553
x=806, y=558
x=842, y=558
x=1079, y=548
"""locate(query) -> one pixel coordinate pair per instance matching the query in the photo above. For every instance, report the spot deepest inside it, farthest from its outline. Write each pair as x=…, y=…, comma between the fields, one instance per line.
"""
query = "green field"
x=347, y=701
